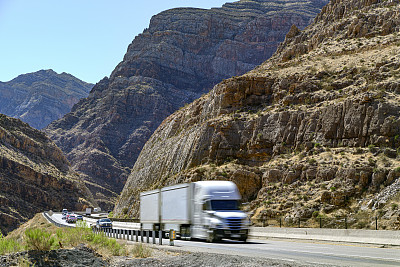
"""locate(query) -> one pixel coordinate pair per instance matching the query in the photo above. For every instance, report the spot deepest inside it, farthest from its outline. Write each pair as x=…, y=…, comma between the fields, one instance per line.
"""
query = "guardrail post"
x=137, y=235
x=280, y=222
x=376, y=223
x=345, y=222
x=141, y=236
x=320, y=222
x=148, y=236
x=160, y=237
x=154, y=236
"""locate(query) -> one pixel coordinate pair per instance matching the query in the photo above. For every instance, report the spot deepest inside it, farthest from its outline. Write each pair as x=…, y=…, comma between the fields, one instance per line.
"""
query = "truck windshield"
x=224, y=205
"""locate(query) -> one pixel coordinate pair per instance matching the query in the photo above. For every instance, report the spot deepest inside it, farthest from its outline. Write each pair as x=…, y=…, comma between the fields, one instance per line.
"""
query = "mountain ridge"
x=313, y=131
x=182, y=54
x=34, y=175
x=41, y=97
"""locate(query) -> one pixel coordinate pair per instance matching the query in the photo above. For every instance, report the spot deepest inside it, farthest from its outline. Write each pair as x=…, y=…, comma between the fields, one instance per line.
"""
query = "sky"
x=86, y=38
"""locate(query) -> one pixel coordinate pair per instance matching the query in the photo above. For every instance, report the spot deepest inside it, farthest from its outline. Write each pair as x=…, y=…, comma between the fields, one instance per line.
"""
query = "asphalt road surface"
x=299, y=251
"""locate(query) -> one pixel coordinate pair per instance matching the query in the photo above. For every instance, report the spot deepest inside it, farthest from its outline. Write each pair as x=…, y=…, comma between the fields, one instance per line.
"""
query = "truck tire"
x=212, y=237
x=243, y=238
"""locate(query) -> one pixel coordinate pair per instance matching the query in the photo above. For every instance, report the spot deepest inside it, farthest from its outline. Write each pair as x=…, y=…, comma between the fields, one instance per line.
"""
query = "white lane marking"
x=221, y=246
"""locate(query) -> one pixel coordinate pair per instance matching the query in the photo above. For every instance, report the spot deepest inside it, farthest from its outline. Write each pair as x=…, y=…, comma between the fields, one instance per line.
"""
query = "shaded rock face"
x=34, y=176
x=182, y=54
x=322, y=113
x=41, y=97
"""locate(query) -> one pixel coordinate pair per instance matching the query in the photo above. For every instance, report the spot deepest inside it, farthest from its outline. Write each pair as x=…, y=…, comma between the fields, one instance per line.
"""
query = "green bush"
x=315, y=214
x=9, y=245
x=141, y=251
x=37, y=239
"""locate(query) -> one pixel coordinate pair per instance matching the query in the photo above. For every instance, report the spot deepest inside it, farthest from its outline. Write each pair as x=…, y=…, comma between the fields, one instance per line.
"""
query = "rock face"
x=41, y=97
x=182, y=54
x=316, y=127
x=34, y=176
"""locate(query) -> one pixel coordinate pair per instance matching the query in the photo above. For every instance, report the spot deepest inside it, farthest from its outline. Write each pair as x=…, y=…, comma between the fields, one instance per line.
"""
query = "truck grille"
x=234, y=223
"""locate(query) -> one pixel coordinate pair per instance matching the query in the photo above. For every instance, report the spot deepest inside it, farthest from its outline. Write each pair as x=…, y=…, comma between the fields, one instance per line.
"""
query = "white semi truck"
x=205, y=210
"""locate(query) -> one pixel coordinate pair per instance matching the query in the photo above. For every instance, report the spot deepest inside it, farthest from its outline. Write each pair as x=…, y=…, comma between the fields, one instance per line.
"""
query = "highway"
x=299, y=251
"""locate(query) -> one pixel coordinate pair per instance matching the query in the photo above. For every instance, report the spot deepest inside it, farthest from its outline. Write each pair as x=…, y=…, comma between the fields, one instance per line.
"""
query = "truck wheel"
x=212, y=237
x=243, y=238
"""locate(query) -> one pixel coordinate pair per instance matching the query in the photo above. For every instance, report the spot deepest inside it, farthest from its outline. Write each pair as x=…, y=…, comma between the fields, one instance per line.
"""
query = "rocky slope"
x=34, y=175
x=312, y=132
x=182, y=54
x=41, y=97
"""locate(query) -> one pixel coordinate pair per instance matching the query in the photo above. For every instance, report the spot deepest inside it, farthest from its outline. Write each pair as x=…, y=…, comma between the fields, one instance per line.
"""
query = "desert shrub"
x=125, y=210
x=37, y=239
x=141, y=251
x=8, y=245
x=372, y=148
x=109, y=244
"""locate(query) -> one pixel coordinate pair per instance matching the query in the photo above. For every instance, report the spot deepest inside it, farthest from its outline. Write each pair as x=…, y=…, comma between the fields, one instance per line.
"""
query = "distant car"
x=104, y=223
x=79, y=218
x=71, y=218
x=64, y=217
x=64, y=211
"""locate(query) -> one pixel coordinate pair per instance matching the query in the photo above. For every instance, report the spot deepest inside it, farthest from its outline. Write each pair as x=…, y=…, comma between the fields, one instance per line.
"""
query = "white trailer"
x=207, y=210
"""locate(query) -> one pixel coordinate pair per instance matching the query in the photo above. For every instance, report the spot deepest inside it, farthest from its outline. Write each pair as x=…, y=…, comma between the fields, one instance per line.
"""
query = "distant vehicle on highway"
x=79, y=218
x=98, y=209
x=71, y=219
x=64, y=217
x=88, y=211
x=104, y=223
x=64, y=211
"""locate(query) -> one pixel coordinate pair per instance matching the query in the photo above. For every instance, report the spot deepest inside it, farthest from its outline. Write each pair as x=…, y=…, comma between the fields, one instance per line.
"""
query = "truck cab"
x=216, y=212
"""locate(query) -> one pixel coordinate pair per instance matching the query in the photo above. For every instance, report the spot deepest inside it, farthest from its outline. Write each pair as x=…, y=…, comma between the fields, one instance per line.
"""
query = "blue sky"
x=86, y=38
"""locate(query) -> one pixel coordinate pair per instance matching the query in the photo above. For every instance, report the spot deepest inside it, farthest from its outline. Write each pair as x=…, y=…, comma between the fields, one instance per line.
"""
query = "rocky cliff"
x=34, y=176
x=182, y=54
x=312, y=132
x=41, y=97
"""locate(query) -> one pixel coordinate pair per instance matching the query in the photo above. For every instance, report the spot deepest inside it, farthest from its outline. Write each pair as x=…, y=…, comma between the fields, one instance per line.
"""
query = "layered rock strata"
x=314, y=131
x=41, y=97
x=34, y=176
x=182, y=54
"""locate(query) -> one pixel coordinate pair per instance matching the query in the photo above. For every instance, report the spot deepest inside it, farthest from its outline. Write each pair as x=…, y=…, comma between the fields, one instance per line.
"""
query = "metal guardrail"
x=54, y=222
x=133, y=220
x=124, y=234
x=367, y=223
x=142, y=236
